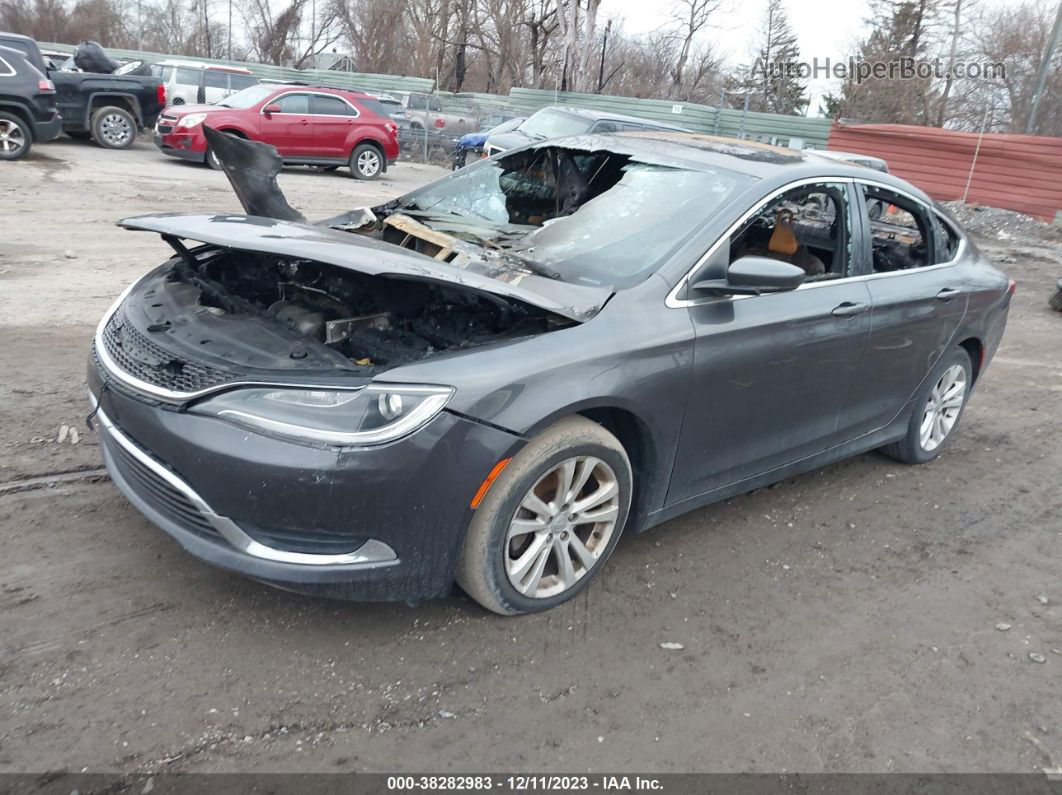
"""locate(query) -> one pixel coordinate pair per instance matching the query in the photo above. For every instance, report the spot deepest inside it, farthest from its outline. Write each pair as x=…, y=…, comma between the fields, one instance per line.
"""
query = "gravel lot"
x=846, y=620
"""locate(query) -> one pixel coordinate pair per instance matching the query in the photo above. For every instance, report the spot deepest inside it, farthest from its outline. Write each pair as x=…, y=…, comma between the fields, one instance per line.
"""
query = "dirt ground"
x=846, y=620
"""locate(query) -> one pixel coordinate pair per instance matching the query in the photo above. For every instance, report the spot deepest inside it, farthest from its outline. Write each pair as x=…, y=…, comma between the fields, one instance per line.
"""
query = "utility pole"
x=1041, y=76
x=139, y=26
x=230, y=31
x=601, y=66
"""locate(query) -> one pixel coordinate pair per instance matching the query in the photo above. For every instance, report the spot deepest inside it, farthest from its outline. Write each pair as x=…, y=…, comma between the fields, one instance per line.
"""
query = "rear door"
x=289, y=129
x=184, y=89
x=918, y=302
x=333, y=121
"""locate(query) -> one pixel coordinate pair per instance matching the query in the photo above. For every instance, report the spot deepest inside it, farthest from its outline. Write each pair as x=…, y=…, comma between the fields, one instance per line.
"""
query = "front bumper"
x=261, y=506
x=186, y=146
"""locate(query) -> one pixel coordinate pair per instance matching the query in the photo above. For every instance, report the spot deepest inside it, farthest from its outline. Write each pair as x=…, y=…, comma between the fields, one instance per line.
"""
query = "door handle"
x=947, y=294
x=849, y=308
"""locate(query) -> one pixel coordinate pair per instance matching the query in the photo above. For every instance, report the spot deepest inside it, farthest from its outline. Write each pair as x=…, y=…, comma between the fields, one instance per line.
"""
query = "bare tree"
x=693, y=16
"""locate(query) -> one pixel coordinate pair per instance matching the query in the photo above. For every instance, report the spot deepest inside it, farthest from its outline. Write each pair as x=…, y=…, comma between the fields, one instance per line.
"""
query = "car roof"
x=607, y=115
x=775, y=164
x=206, y=66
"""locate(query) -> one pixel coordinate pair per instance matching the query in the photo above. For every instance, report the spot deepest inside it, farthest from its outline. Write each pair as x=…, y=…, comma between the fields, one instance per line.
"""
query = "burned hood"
x=375, y=258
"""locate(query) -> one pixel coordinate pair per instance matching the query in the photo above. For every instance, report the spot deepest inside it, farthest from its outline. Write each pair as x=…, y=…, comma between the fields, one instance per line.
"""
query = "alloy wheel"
x=115, y=129
x=562, y=527
x=942, y=408
x=368, y=163
x=12, y=139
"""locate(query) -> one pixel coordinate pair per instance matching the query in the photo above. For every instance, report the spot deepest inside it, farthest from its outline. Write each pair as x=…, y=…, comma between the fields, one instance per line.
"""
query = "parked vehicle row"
x=109, y=108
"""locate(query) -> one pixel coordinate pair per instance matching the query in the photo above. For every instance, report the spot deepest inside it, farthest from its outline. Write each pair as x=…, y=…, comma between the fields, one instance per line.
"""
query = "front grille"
x=159, y=494
x=142, y=358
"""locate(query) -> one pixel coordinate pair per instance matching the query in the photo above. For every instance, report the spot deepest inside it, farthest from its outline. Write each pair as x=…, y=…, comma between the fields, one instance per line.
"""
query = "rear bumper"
x=48, y=130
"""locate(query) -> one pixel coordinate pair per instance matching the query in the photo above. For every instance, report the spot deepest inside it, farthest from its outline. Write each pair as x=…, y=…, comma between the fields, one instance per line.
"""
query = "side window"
x=188, y=77
x=434, y=105
x=293, y=103
x=626, y=126
x=900, y=231
x=240, y=82
x=417, y=102
x=163, y=72
x=215, y=79
x=605, y=127
x=809, y=226
x=320, y=105
x=947, y=238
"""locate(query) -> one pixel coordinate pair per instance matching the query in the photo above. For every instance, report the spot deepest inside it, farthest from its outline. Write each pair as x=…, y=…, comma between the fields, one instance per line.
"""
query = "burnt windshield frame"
x=542, y=204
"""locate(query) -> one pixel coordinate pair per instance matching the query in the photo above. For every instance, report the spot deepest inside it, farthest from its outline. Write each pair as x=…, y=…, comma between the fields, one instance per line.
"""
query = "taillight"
x=440, y=123
x=1012, y=287
x=391, y=127
x=45, y=86
x=160, y=92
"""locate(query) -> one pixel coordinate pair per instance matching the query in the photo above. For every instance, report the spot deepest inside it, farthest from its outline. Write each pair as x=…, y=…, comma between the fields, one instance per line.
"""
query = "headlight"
x=373, y=415
x=191, y=120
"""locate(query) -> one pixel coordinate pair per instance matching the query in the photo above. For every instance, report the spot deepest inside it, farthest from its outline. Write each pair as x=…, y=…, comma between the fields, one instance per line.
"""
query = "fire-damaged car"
x=487, y=380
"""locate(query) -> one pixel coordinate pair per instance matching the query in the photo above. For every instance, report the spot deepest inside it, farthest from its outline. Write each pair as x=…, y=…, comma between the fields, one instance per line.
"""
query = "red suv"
x=309, y=126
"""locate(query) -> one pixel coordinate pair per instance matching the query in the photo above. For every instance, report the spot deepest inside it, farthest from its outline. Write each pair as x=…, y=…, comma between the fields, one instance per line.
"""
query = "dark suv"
x=27, y=106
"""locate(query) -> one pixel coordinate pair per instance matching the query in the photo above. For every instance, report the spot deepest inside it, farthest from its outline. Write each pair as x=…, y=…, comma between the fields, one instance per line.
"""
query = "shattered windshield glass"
x=589, y=217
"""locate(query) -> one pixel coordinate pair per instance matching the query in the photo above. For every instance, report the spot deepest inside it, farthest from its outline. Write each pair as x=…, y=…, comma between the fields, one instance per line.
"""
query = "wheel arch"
x=375, y=144
x=976, y=349
x=20, y=110
x=634, y=433
x=103, y=99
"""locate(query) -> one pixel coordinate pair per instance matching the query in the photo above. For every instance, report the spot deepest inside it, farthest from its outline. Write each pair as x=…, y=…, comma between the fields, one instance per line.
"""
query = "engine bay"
x=373, y=321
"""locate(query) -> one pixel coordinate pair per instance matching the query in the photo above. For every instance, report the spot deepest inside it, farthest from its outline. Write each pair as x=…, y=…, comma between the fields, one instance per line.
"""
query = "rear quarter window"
x=6, y=69
x=373, y=106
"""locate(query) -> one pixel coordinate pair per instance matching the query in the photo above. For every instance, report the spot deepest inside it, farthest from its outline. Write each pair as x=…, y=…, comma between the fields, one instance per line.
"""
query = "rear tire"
x=577, y=478
x=366, y=162
x=113, y=127
x=16, y=138
x=1055, y=301
x=935, y=410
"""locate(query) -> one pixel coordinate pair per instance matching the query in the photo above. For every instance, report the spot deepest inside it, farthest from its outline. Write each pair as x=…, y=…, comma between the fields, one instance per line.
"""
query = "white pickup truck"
x=423, y=111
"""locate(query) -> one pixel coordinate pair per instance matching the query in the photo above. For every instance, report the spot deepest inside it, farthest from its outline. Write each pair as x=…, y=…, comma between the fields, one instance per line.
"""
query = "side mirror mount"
x=754, y=275
x=269, y=110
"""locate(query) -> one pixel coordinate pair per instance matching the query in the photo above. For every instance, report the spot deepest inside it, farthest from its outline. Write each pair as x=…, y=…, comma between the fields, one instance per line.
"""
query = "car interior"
x=900, y=232
x=805, y=227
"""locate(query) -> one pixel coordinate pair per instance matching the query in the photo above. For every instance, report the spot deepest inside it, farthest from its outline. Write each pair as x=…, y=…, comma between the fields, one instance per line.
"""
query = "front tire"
x=113, y=128
x=549, y=521
x=938, y=409
x=15, y=137
x=366, y=162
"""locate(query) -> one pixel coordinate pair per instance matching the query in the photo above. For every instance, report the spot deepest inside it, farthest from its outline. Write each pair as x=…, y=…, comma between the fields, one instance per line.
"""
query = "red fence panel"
x=1015, y=172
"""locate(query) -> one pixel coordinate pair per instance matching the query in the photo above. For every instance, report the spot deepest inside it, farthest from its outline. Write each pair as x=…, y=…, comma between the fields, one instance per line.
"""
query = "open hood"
x=375, y=258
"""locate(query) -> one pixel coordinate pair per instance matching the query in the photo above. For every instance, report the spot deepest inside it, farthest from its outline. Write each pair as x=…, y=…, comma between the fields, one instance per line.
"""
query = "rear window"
x=240, y=82
x=213, y=79
x=374, y=106
x=188, y=77
x=320, y=105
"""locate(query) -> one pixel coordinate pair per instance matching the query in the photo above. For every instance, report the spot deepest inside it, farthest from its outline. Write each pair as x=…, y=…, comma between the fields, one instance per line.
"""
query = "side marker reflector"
x=484, y=487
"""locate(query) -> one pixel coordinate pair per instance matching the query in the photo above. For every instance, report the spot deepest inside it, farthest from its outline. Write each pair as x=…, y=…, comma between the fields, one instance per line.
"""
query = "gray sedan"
x=487, y=381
